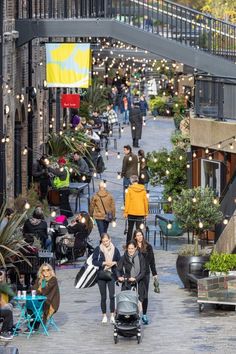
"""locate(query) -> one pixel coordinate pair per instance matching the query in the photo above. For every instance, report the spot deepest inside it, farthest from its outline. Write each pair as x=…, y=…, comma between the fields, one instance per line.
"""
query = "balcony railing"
x=164, y=18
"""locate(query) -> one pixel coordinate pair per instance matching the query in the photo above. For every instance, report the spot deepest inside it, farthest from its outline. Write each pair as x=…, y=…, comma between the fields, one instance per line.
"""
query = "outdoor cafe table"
x=36, y=303
x=79, y=187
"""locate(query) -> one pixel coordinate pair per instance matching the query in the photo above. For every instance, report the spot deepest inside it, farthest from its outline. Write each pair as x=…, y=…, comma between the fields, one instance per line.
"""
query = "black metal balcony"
x=164, y=18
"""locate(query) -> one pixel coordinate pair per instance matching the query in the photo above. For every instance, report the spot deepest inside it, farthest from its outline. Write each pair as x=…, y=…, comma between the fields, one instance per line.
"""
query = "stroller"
x=127, y=320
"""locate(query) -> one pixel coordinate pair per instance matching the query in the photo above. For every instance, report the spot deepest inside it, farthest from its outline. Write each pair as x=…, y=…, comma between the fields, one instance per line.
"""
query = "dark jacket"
x=124, y=269
x=143, y=107
x=39, y=172
x=81, y=234
x=37, y=227
x=51, y=291
x=129, y=168
x=149, y=260
x=143, y=171
x=136, y=121
x=99, y=258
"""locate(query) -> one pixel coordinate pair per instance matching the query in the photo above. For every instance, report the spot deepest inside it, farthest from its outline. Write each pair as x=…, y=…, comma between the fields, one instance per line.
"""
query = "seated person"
x=46, y=284
x=97, y=122
x=37, y=226
x=6, y=293
x=92, y=135
x=7, y=217
x=82, y=167
x=81, y=227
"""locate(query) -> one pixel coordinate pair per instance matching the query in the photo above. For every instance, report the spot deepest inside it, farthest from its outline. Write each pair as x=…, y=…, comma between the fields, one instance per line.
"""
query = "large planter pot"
x=182, y=266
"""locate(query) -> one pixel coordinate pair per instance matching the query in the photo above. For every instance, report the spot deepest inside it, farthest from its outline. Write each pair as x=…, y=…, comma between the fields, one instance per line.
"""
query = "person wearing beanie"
x=61, y=182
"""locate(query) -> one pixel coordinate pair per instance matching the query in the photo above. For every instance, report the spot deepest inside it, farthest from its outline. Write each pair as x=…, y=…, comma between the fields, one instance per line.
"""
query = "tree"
x=197, y=210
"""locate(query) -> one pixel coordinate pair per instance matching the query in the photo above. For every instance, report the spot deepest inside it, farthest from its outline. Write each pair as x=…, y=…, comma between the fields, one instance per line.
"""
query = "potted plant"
x=221, y=264
x=197, y=210
x=12, y=244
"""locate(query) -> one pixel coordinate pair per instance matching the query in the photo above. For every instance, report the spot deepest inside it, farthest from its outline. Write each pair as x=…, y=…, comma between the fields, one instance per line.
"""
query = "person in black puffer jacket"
x=36, y=225
x=147, y=251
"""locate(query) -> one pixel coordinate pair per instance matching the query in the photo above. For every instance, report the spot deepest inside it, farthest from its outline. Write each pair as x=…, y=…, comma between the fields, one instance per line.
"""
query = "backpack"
x=100, y=165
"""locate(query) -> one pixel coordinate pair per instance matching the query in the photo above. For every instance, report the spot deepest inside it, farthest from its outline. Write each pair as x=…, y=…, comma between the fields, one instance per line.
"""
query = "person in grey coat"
x=82, y=165
x=136, y=122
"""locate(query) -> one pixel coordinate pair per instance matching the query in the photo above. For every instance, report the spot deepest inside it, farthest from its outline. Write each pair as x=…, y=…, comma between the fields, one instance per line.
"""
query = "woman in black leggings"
x=147, y=251
x=106, y=256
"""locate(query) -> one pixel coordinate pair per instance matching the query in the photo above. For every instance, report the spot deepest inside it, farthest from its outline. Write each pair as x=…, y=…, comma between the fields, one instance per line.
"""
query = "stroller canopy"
x=127, y=302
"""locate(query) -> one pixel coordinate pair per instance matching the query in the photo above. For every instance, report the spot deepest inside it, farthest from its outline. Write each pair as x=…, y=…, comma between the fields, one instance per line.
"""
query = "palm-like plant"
x=12, y=244
x=96, y=96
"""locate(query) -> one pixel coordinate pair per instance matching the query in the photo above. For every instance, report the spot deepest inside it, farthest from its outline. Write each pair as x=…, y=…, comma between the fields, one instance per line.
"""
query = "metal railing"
x=163, y=17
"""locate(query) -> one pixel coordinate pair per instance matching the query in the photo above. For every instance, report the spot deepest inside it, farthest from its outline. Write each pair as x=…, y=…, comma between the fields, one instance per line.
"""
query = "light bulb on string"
x=61, y=169
x=71, y=170
x=27, y=205
x=169, y=226
x=188, y=165
x=72, y=139
x=94, y=174
x=83, y=178
x=25, y=151
x=142, y=175
x=3, y=140
x=46, y=161
x=60, y=132
x=210, y=157
x=118, y=175
x=215, y=201
x=219, y=145
x=53, y=214
x=226, y=221
x=181, y=157
x=106, y=153
x=83, y=220
x=141, y=226
x=167, y=172
x=206, y=150
x=231, y=146
x=130, y=158
x=118, y=155
x=7, y=139
x=85, y=144
x=133, y=128
x=168, y=159
x=113, y=223
x=169, y=199
x=200, y=225
x=194, y=199
x=104, y=183
x=194, y=154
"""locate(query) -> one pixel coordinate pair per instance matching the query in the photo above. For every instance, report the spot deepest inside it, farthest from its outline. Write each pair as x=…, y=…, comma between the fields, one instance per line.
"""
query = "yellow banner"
x=68, y=65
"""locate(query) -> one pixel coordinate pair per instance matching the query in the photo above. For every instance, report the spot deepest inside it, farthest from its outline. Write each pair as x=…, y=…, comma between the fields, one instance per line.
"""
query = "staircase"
x=160, y=27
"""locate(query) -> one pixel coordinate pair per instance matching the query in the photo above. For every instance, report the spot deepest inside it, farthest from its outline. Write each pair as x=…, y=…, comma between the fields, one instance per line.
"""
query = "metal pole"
x=30, y=114
x=2, y=146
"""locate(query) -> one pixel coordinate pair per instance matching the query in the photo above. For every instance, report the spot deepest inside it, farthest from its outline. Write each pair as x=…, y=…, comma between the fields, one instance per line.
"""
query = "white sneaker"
x=112, y=320
x=104, y=319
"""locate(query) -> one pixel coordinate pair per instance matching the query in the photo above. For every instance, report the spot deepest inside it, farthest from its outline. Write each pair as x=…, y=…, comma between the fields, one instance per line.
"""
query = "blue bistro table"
x=36, y=304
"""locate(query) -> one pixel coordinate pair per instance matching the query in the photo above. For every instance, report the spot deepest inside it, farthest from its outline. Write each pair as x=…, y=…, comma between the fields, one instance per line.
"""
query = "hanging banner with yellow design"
x=68, y=65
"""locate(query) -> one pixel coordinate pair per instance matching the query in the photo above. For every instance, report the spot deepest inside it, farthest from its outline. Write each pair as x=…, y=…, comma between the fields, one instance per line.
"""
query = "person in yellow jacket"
x=136, y=205
x=61, y=182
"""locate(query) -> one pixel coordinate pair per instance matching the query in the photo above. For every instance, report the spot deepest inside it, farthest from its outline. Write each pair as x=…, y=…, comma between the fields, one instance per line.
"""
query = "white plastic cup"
x=33, y=293
x=24, y=293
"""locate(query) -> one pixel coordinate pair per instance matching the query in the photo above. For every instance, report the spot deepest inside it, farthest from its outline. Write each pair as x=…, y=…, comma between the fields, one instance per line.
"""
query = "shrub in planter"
x=221, y=263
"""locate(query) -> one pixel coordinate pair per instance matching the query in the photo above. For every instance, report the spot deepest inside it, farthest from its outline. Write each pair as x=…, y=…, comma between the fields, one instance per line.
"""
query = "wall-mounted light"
x=6, y=109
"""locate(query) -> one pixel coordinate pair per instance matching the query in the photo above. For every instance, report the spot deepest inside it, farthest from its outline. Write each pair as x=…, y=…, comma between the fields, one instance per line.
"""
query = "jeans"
x=103, y=284
x=126, y=184
x=102, y=226
x=132, y=219
x=7, y=316
x=126, y=116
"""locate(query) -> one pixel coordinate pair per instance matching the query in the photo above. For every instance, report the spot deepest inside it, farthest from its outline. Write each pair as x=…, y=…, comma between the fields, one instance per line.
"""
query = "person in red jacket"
x=136, y=205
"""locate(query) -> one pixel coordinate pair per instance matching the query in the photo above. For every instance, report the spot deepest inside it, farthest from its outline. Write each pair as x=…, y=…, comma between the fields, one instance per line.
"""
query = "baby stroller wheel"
x=115, y=339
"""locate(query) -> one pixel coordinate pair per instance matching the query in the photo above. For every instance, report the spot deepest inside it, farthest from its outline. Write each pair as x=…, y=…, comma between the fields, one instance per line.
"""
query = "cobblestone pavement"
x=175, y=323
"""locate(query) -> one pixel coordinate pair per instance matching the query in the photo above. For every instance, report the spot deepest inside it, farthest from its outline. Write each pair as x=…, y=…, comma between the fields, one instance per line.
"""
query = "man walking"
x=136, y=205
x=136, y=122
x=129, y=166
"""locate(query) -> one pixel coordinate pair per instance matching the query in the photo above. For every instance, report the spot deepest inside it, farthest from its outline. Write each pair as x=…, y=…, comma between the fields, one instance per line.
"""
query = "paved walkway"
x=176, y=325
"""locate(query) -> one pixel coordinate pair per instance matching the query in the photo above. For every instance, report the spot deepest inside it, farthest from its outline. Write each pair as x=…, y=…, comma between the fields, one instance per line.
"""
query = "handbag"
x=104, y=275
x=108, y=214
x=156, y=286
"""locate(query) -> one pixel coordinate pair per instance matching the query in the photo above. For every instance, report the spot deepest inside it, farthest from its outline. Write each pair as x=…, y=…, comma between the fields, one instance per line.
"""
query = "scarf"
x=108, y=253
x=135, y=269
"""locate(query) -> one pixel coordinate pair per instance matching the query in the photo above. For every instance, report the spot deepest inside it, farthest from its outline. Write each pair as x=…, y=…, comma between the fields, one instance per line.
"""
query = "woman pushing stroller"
x=131, y=270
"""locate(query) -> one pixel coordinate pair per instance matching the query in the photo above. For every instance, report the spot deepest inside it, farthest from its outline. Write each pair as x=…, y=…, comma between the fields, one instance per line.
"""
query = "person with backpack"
x=102, y=208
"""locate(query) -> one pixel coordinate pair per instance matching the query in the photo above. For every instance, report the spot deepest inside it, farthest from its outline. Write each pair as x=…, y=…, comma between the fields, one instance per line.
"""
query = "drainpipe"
x=2, y=145
x=30, y=100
